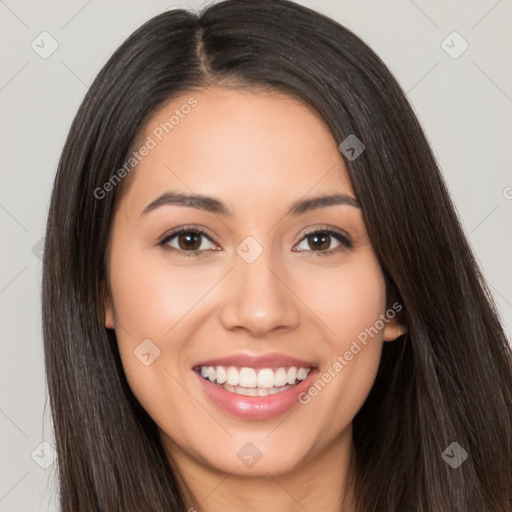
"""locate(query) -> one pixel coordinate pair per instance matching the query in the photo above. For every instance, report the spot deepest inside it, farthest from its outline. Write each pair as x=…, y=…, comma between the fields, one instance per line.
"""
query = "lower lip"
x=256, y=407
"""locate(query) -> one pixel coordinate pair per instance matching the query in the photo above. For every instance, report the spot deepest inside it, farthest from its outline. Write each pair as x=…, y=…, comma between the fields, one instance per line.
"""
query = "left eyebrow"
x=321, y=202
x=213, y=205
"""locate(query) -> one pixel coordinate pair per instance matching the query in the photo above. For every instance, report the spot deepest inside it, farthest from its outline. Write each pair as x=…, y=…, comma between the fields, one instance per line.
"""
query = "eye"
x=191, y=241
x=188, y=241
x=320, y=241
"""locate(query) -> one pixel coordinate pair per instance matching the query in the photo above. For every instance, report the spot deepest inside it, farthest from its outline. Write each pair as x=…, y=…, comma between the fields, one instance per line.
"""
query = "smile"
x=254, y=382
x=254, y=394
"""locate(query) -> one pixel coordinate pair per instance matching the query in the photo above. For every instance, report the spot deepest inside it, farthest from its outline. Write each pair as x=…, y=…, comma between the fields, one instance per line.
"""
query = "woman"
x=256, y=291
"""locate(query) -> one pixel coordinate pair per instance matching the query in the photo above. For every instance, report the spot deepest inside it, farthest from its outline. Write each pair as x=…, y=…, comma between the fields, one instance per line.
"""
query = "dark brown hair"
x=449, y=380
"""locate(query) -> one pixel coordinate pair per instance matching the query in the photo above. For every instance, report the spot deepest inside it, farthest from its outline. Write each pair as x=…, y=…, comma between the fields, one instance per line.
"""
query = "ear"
x=108, y=307
x=393, y=330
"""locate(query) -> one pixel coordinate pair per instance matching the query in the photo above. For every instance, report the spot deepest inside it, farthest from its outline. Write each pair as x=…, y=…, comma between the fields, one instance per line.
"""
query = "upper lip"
x=272, y=360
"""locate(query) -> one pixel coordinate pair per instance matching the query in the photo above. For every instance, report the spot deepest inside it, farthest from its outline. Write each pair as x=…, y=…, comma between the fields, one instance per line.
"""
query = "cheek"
x=350, y=304
x=361, y=302
x=347, y=299
x=155, y=301
x=150, y=299
x=151, y=296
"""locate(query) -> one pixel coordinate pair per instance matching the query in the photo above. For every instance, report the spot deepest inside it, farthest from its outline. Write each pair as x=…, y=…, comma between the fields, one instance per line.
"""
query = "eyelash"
x=345, y=241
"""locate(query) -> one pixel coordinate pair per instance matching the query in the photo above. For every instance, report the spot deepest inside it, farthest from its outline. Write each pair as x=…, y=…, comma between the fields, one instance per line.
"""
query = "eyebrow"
x=212, y=205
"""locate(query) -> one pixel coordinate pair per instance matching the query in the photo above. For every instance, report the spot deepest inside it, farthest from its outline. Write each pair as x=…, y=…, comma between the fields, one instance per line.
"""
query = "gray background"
x=463, y=103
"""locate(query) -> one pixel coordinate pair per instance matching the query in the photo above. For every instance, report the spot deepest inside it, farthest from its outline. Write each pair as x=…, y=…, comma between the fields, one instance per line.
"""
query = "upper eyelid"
x=337, y=231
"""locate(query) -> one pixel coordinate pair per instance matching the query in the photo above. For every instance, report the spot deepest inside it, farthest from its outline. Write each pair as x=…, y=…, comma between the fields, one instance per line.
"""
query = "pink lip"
x=257, y=362
x=256, y=407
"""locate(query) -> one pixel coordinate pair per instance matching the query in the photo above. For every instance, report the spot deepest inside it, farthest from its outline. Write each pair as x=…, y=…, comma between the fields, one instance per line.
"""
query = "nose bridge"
x=257, y=298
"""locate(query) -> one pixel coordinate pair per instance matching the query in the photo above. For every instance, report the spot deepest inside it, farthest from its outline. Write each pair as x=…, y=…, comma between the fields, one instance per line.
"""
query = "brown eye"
x=189, y=241
x=192, y=241
x=320, y=242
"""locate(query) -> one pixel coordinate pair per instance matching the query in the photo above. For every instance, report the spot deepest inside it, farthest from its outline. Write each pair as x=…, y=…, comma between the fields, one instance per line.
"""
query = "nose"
x=259, y=298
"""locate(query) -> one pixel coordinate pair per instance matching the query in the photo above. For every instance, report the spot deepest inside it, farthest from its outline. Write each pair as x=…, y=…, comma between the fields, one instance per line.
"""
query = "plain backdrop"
x=462, y=98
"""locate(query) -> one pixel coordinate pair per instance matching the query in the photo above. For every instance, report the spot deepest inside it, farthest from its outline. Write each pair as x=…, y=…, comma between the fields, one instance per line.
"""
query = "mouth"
x=255, y=392
x=248, y=381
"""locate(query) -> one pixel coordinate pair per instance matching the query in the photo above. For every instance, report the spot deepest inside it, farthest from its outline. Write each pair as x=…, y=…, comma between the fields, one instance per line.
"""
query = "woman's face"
x=259, y=299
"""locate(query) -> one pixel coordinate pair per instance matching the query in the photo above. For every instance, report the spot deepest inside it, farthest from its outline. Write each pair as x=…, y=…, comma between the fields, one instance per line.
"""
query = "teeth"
x=221, y=375
x=232, y=376
x=247, y=377
x=256, y=382
x=302, y=373
x=265, y=378
x=253, y=391
x=291, y=375
x=246, y=391
x=280, y=378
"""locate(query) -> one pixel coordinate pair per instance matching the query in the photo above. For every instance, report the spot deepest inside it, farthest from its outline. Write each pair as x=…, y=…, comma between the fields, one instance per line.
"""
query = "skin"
x=258, y=152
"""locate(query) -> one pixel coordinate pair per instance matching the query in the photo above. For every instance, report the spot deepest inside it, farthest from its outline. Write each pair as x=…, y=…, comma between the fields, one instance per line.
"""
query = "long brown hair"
x=449, y=380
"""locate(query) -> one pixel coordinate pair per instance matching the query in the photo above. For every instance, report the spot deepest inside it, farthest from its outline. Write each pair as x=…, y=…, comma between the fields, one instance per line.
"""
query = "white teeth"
x=265, y=379
x=280, y=378
x=254, y=391
x=247, y=377
x=221, y=375
x=291, y=375
x=246, y=391
x=302, y=373
x=232, y=376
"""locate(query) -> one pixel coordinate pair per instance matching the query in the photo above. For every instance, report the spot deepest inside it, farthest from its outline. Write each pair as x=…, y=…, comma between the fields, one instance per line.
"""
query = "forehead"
x=242, y=145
